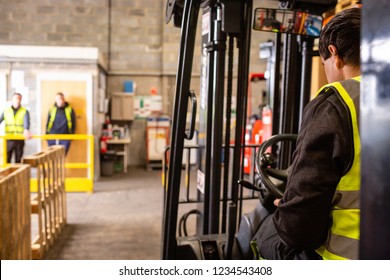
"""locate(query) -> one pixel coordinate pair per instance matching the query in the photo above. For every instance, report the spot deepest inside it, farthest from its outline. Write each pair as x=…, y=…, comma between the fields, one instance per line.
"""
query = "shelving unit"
x=122, y=152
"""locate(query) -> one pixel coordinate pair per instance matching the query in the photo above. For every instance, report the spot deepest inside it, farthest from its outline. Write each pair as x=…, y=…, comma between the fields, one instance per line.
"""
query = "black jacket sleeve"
x=73, y=117
x=322, y=155
x=26, y=121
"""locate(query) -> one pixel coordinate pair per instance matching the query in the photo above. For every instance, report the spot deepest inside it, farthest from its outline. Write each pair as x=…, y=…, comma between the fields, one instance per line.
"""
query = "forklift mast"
x=226, y=21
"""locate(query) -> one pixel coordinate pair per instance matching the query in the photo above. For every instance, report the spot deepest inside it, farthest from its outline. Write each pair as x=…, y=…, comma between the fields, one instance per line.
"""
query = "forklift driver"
x=318, y=216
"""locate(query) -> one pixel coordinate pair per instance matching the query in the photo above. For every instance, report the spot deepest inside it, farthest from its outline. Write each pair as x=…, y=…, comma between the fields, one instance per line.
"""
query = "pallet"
x=50, y=202
x=15, y=212
x=154, y=164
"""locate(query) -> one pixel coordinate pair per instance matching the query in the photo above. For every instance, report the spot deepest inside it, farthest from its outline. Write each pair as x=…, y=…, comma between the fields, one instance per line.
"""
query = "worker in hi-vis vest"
x=17, y=123
x=318, y=216
x=61, y=120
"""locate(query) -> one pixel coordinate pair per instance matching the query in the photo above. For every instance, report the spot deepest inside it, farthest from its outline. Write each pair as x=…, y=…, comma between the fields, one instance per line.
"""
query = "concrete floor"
x=122, y=219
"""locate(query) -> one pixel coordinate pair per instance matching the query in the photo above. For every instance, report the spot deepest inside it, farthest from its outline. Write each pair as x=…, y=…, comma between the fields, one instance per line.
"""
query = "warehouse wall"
x=131, y=35
x=54, y=23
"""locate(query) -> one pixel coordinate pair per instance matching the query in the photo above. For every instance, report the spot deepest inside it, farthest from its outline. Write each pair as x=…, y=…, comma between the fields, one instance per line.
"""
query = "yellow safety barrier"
x=15, y=215
x=72, y=184
x=50, y=202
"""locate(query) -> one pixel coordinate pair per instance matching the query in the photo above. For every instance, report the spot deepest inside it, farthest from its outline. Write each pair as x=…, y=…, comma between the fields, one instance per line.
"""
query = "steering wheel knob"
x=267, y=160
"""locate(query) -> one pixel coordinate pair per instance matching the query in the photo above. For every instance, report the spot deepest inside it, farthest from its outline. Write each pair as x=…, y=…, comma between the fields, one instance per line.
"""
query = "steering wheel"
x=265, y=163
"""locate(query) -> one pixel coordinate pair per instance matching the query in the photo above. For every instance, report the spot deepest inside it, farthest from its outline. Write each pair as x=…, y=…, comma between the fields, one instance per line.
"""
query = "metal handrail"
x=72, y=184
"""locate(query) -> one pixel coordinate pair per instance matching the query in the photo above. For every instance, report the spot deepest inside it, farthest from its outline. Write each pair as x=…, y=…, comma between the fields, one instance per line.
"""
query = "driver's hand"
x=277, y=201
x=27, y=134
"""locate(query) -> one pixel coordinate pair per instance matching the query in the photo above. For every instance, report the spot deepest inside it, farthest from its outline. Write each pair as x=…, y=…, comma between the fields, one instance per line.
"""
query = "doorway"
x=77, y=89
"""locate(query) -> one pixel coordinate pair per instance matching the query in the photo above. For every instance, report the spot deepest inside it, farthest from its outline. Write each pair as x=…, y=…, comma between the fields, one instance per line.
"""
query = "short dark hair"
x=18, y=94
x=60, y=94
x=343, y=31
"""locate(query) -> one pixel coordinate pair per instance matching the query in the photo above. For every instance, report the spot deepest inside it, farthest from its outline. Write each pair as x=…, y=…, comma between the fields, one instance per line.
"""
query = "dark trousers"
x=272, y=247
x=15, y=146
x=65, y=143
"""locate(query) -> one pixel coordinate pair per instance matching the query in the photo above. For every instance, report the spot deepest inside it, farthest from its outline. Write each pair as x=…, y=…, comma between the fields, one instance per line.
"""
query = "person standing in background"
x=61, y=120
x=17, y=122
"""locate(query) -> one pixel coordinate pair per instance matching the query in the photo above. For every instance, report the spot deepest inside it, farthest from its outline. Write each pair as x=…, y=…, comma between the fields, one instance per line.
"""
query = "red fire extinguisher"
x=103, y=144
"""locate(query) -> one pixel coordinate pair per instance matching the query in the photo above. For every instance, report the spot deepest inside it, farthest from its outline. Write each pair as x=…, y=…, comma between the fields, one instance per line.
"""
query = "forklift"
x=222, y=232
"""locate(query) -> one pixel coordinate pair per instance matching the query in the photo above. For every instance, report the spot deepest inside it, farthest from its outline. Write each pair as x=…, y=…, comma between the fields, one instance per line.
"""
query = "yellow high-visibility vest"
x=68, y=114
x=14, y=123
x=344, y=232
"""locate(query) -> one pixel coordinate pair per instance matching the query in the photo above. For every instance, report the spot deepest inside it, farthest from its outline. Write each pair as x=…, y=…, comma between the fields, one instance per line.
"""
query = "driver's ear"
x=337, y=61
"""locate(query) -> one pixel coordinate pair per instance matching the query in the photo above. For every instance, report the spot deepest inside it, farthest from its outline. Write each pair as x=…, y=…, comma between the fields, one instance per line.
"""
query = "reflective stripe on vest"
x=68, y=114
x=343, y=237
x=14, y=123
